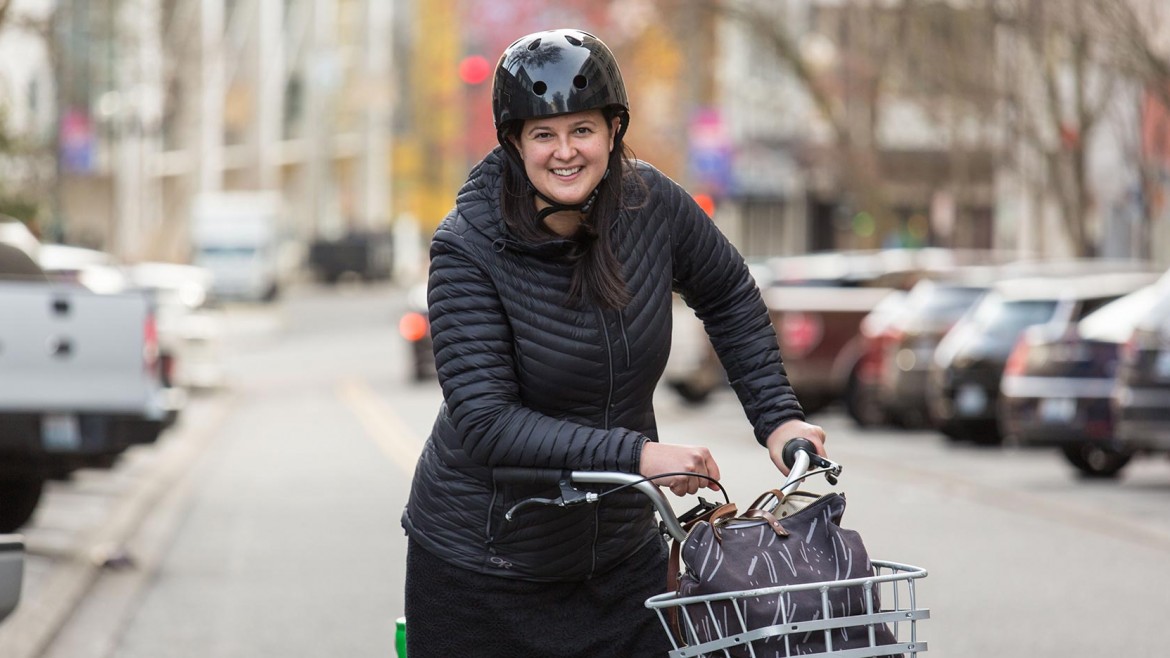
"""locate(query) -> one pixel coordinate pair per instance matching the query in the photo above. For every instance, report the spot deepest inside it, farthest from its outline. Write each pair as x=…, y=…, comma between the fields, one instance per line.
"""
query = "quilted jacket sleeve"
x=474, y=359
x=713, y=279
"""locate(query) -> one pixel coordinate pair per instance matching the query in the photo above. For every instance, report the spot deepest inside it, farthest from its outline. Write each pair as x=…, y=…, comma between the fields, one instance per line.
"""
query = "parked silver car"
x=1142, y=396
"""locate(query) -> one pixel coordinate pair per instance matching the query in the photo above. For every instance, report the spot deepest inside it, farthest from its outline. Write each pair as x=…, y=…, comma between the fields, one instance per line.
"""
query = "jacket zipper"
x=609, y=361
x=605, y=425
x=625, y=339
x=490, y=538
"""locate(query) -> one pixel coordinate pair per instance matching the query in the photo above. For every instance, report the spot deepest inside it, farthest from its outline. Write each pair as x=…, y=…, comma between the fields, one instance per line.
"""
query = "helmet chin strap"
x=554, y=207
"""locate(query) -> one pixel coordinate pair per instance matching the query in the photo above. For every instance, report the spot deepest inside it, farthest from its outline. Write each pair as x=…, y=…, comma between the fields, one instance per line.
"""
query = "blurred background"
x=1023, y=125
x=215, y=364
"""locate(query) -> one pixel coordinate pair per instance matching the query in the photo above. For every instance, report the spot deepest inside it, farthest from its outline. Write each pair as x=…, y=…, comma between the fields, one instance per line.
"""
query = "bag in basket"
x=758, y=550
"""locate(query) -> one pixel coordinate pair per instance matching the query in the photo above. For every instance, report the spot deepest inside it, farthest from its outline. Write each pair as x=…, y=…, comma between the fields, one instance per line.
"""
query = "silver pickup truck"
x=80, y=380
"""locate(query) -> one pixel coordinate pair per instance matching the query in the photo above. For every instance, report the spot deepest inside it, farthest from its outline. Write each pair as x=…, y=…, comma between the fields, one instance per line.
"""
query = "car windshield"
x=1005, y=318
x=942, y=305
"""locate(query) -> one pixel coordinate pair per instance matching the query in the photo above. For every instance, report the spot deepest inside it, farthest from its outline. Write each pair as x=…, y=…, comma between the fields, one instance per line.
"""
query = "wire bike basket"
x=718, y=624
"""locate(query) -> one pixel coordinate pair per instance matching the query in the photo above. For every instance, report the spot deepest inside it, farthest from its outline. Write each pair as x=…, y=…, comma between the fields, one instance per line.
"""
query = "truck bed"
x=64, y=349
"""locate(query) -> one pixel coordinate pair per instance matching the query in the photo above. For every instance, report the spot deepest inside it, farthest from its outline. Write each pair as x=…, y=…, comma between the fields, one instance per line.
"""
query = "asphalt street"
x=267, y=522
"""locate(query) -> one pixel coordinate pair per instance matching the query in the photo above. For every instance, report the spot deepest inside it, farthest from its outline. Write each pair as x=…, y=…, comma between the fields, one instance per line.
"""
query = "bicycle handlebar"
x=798, y=455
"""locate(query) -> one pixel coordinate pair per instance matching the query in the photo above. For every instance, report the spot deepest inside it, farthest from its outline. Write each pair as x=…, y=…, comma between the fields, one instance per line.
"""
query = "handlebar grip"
x=799, y=443
x=521, y=475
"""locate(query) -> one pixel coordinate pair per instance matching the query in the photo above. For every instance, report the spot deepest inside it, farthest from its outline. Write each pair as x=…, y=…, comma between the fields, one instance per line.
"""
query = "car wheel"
x=18, y=501
x=985, y=433
x=1096, y=461
x=691, y=393
x=862, y=404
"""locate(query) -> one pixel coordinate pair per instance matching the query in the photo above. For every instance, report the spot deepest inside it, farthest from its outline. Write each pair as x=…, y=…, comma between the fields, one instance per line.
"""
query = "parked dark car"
x=415, y=328
x=365, y=254
x=964, y=379
x=1142, y=397
x=932, y=307
x=1058, y=382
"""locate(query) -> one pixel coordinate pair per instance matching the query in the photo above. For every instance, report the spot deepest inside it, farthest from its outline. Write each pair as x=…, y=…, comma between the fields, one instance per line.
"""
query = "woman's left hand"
x=791, y=430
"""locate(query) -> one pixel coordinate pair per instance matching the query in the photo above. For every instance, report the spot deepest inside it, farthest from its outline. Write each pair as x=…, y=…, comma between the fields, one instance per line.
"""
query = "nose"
x=565, y=149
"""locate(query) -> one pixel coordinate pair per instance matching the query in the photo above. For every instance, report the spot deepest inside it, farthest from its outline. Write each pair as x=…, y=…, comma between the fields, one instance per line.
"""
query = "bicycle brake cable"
x=593, y=497
x=651, y=478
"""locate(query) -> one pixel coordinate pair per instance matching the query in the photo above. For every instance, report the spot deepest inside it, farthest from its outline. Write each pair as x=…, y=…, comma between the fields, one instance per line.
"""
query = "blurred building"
x=443, y=124
x=27, y=126
x=832, y=107
x=808, y=124
x=163, y=99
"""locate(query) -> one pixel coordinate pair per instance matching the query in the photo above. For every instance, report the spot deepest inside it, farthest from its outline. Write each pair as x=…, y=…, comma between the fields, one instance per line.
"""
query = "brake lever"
x=832, y=469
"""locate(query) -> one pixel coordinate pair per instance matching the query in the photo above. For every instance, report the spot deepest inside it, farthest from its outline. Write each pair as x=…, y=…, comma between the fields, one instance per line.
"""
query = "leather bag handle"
x=713, y=516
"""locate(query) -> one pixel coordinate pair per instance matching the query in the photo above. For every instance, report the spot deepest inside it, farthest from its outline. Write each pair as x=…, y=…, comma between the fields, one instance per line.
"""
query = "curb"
x=30, y=630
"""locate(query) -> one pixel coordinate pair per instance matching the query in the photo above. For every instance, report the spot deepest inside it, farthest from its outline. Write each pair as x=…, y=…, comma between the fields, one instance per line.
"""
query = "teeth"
x=566, y=172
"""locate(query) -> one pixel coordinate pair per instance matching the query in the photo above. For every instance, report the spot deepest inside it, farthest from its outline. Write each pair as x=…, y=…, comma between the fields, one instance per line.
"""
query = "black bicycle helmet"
x=556, y=72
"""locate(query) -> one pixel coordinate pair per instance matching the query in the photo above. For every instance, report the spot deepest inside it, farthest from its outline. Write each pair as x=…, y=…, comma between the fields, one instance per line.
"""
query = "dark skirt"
x=455, y=612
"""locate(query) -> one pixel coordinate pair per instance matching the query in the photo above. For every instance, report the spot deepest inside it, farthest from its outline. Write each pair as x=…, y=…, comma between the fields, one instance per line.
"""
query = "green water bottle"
x=400, y=637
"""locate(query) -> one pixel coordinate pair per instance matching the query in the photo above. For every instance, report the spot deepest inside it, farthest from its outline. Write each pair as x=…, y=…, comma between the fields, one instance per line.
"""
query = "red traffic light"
x=474, y=69
x=706, y=202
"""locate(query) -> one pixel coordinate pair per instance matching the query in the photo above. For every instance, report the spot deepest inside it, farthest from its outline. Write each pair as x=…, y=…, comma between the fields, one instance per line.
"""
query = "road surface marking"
x=391, y=434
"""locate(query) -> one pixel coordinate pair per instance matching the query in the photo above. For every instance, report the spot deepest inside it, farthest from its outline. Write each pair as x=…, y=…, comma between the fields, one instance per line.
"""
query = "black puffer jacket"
x=529, y=381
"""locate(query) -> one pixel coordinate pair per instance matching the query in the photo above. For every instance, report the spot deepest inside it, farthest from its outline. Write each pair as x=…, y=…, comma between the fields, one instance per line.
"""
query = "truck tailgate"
x=66, y=349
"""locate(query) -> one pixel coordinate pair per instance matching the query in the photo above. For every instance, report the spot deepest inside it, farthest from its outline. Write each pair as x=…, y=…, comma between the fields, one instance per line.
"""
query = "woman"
x=550, y=307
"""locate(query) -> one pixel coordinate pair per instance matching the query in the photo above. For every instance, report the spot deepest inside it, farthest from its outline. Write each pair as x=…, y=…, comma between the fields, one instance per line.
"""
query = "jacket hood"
x=479, y=204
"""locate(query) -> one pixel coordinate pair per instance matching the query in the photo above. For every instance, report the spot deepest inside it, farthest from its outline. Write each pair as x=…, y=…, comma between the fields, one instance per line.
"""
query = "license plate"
x=60, y=432
x=970, y=400
x=1057, y=410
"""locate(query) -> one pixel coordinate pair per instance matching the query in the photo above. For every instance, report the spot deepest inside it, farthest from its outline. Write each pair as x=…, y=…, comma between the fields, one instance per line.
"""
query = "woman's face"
x=566, y=156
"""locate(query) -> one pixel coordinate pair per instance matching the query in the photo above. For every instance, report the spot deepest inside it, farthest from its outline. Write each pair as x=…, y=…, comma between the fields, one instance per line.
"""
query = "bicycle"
x=892, y=581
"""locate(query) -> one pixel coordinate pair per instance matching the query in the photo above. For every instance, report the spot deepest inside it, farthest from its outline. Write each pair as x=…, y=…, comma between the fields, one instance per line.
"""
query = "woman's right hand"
x=669, y=458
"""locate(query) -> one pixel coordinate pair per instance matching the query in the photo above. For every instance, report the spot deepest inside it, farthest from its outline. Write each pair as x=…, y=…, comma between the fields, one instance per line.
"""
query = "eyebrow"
x=575, y=124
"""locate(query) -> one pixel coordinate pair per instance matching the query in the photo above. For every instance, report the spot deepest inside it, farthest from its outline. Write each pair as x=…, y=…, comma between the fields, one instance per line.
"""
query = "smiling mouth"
x=567, y=172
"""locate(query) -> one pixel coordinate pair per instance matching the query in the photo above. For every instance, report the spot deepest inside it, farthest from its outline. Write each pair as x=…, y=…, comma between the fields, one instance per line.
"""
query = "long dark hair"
x=597, y=272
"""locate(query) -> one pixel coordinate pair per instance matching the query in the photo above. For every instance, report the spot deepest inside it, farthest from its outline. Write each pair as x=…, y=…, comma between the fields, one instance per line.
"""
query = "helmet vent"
x=580, y=82
x=539, y=87
x=534, y=45
x=573, y=40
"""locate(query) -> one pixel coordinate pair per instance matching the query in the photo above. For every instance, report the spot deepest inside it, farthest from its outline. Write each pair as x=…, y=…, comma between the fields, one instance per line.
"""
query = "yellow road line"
x=397, y=441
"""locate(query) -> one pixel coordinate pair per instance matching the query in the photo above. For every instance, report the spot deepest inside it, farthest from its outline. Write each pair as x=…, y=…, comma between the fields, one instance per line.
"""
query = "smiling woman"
x=565, y=158
x=550, y=299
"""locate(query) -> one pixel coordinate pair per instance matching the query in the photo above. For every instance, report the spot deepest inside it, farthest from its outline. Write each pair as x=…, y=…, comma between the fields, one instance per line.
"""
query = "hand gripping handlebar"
x=798, y=455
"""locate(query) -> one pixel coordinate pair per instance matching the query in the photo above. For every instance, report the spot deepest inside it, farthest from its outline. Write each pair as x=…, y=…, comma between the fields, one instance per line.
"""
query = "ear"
x=615, y=124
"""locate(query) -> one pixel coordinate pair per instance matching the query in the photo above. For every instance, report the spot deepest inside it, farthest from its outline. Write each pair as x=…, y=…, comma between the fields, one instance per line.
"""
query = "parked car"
x=908, y=342
x=1142, y=397
x=79, y=380
x=817, y=303
x=415, y=328
x=861, y=397
x=190, y=329
x=1058, y=382
x=11, y=573
x=964, y=381
x=365, y=254
x=91, y=268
